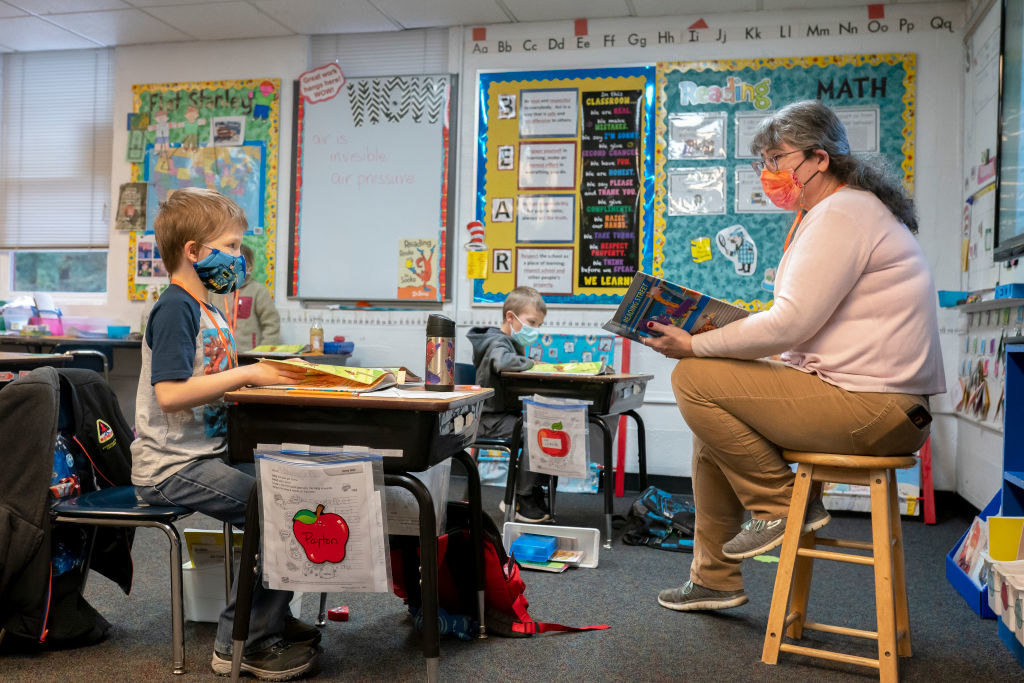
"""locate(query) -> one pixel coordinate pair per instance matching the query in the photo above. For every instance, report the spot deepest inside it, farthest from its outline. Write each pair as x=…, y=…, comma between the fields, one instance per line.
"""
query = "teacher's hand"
x=674, y=342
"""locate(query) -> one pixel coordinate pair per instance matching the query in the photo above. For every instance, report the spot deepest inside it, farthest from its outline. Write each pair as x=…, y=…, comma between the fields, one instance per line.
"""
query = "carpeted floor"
x=646, y=641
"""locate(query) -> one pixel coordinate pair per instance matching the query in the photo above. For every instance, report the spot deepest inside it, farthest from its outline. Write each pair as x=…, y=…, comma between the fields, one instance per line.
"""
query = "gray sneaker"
x=758, y=536
x=691, y=597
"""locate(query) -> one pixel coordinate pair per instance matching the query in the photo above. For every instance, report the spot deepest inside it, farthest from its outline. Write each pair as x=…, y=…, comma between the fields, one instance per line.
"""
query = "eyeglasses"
x=772, y=163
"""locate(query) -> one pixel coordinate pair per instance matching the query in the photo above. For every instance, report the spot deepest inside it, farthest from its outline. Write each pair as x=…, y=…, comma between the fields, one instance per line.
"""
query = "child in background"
x=496, y=350
x=256, y=319
x=188, y=363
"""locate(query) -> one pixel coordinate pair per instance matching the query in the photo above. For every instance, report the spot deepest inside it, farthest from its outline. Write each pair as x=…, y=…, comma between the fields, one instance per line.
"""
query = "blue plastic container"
x=534, y=547
x=339, y=347
x=1012, y=290
x=949, y=298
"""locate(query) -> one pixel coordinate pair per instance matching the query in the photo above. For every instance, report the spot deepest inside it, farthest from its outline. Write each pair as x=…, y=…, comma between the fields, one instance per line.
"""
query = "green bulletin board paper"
x=874, y=95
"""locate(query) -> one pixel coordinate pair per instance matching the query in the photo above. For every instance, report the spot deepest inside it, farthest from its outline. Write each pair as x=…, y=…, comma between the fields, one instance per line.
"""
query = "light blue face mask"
x=219, y=272
x=525, y=335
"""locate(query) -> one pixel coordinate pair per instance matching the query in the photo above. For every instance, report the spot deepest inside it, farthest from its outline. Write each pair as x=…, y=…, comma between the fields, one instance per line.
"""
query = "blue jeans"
x=221, y=491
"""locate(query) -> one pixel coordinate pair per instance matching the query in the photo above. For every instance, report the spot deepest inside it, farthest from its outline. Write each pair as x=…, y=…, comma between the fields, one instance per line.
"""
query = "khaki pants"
x=742, y=413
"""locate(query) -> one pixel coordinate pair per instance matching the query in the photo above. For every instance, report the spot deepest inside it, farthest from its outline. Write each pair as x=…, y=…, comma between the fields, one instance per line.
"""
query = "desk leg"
x=641, y=447
x=476, y=532
x=608, y=505
x=513, y=471
x=247, y=569
x=428, y=568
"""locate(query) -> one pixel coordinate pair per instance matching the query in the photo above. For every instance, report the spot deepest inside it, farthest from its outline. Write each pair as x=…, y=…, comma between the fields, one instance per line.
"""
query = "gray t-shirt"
x=180, y=342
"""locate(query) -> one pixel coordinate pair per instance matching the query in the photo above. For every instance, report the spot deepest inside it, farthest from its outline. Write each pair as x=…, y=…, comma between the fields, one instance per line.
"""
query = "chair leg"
x=177, y=600
x=641, y=447
x=899, y=574
x=321, y=615
x=513, y=471
x=787, y=561
x=229, y=561
x=802, y=573
x=881, y=537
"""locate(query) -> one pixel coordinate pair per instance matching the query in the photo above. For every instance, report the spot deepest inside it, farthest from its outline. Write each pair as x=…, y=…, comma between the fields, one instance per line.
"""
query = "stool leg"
x=802, y=573
x=899, y=573
x=881, y=537
x=787, y=560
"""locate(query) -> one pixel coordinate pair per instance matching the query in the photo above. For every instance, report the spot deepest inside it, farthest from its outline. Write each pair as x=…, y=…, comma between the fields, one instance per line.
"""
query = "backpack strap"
x=528, y=625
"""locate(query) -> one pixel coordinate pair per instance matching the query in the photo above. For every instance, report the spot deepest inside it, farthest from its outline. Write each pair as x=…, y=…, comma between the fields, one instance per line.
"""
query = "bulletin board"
x=371, y=197
x=221, y=135
x=714, y=229
x=564, y=186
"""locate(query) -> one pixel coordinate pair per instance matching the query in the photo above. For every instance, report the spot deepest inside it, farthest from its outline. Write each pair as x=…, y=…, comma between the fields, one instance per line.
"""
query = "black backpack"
x=658, y=520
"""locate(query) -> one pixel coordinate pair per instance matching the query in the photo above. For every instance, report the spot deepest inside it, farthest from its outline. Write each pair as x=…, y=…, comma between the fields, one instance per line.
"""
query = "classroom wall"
x=939, y=87
x=398, y=336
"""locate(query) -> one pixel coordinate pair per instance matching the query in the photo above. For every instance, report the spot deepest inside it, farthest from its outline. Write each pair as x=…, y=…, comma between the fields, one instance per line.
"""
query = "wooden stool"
x=789, y=612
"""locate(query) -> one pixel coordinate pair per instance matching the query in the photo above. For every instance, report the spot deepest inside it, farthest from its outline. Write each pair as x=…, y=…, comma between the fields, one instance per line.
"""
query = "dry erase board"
x=371, y=191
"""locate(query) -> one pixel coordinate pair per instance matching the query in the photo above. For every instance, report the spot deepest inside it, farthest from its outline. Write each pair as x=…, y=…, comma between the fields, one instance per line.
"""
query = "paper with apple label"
x=323, y=521
x=336, y=377
x=556, y=436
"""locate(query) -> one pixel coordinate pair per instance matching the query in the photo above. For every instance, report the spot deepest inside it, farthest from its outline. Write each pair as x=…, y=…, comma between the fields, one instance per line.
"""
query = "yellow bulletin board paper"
x=179, y=124
x=564, y=181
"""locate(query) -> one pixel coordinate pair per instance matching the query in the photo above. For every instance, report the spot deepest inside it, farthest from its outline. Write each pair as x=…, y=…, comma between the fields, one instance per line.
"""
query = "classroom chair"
x=788, y=614
x=95, y=357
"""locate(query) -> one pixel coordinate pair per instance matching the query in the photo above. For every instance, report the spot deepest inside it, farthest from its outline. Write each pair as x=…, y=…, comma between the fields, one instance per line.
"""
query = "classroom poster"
x=222, y=135
x=564, y=182
x=707, y=194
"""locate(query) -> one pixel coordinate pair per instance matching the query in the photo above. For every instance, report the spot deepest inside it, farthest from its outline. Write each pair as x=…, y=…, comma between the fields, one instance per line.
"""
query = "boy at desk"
x=497, y=350
x=188, y=363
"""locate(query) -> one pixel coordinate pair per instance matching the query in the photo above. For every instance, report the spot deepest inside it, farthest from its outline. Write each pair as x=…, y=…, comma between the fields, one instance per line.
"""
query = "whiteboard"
x=371, y=190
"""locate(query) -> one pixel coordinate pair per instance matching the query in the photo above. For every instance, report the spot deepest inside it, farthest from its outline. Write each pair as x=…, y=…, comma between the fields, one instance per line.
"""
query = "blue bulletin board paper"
x=873, y=94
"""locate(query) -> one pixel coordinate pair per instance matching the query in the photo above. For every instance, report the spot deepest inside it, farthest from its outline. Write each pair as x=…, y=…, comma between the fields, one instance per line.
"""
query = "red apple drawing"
x=554, y=441
x=322, y=536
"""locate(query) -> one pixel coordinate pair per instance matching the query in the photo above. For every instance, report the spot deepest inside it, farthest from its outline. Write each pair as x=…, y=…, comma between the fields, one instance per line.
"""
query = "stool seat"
x=859, y=462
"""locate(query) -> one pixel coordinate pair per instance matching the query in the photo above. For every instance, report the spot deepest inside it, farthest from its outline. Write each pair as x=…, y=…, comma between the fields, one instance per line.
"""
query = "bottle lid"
x=440, y=326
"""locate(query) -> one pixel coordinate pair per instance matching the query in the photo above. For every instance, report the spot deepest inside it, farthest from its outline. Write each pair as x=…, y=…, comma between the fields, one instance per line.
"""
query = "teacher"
x=854, y=320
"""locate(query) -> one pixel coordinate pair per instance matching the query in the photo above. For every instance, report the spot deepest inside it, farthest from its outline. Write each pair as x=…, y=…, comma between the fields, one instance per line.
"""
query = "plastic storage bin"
x=568, y=538
x=204, y=593
x=1012, y=290
x=534, y=547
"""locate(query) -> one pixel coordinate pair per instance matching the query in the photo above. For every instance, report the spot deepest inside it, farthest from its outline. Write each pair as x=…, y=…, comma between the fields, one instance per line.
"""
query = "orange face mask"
x=783, y=187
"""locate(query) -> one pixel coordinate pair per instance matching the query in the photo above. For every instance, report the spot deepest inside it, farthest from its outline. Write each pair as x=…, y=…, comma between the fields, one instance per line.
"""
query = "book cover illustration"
x=336, y=377
x=591, y=368
x=653, y=299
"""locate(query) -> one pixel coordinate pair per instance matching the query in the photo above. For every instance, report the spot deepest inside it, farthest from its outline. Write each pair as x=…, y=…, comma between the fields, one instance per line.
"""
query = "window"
x=56, y=122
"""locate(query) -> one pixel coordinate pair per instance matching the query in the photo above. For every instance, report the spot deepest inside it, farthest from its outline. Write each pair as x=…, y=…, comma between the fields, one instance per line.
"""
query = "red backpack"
x=506, y=606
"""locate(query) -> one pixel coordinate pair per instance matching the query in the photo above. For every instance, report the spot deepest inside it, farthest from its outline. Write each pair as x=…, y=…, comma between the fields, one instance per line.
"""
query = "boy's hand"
x=261, y=374
x=673, y=342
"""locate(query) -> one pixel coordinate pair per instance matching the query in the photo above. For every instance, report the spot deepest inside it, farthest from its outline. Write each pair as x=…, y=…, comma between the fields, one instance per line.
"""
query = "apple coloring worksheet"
x=323, y=527
x=555, y=437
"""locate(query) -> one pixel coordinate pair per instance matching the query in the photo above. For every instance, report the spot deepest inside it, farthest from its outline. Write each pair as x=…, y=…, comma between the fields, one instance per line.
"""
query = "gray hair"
x=810, y=125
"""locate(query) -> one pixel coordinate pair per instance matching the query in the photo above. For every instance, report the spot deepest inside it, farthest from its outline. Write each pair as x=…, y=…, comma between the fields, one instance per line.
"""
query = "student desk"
x=249, y=357
x=419, y=432
x=616, y=394
x=36, y=343
x=13, y=363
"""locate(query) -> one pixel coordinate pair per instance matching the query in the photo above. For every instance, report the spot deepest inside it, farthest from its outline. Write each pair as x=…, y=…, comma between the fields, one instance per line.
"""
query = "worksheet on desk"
x=323, y=525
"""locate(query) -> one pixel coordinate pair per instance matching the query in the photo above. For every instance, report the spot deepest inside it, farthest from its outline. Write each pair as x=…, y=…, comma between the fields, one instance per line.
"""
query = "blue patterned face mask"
x=219, y=272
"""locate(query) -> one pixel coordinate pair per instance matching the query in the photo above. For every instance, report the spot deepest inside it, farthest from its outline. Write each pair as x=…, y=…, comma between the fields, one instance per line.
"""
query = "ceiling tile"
x=430, y=13
x=63, y=6
x=311, y=17
x=28, y=34
x=156, y=3
x=546, y=10
x=9, y=11
x=120, y=27
x=673, y=8
x=220, y=20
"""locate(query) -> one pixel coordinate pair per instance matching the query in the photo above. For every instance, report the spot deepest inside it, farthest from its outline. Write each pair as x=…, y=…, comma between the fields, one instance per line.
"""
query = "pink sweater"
x=854, y=304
